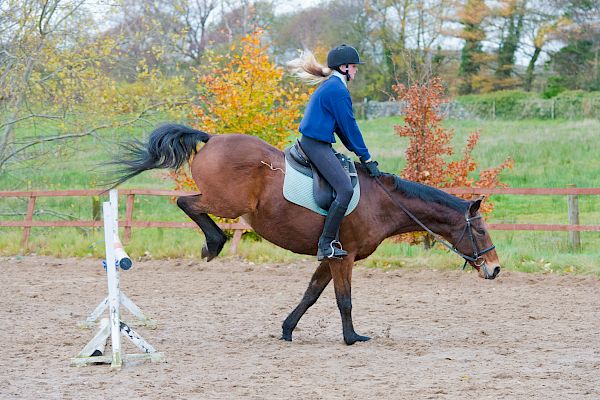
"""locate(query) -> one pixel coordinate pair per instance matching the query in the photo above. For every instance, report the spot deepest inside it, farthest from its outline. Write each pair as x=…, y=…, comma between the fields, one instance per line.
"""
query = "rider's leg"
x=328, y=165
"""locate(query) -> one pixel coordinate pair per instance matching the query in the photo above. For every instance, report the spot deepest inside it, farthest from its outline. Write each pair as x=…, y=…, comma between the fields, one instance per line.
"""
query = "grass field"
x=546, y=154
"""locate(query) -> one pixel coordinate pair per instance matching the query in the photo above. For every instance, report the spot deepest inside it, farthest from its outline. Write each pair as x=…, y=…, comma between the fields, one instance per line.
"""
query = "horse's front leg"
x=341, y=271
x=318, y=282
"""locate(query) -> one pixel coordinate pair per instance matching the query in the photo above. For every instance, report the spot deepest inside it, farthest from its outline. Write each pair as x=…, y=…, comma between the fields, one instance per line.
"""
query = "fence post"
x=364, y=108
x=573, y=209
x=553, y=110
x=28, y=218
x=493, y=109
x=237, y=236
x=129, y=216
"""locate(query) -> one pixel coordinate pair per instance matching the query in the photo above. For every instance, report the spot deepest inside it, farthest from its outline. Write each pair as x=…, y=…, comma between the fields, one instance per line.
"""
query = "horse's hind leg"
x=318, y=282
x=215, y=237
x=341, y=271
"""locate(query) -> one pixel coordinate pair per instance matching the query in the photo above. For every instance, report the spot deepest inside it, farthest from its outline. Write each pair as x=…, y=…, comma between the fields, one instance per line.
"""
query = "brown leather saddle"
x=323, y=193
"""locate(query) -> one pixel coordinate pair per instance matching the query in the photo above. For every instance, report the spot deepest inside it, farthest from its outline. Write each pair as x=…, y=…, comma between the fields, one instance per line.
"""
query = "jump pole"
x=112, y=327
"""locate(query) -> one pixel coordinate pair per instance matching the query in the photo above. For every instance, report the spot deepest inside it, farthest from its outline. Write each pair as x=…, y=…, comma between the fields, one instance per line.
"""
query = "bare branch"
x=29, y=117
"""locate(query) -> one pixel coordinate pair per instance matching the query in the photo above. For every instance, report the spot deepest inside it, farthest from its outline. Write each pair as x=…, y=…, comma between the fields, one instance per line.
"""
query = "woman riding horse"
x=329, y=111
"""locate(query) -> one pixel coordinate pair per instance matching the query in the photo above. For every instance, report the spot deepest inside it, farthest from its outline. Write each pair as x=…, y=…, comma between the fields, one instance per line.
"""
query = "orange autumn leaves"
x=244, y=91
x=429, y=143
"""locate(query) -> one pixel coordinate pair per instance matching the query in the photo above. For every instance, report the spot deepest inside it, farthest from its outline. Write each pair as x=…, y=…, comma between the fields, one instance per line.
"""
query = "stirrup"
x=332, y=252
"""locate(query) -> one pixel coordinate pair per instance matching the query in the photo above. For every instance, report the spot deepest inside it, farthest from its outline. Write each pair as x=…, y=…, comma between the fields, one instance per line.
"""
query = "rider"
x=329, y=111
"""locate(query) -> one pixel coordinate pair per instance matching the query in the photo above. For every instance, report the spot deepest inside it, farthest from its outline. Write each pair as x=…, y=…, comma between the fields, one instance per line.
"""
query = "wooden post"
x=493, y=109
x=573, y=209
x=28, y=218
x=237, y=236
x=129, y=216
x=553, y=109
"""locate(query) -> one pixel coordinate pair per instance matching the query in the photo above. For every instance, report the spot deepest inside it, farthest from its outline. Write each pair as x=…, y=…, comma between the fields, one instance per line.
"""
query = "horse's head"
x=474, y=242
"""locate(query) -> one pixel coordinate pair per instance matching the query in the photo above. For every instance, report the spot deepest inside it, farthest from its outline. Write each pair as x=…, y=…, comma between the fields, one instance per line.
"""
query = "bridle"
x=476, y=258
x=476, y=252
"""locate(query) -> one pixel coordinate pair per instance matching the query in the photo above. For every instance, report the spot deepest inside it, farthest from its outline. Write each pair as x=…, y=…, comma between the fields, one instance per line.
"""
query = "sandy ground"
x=446, y=335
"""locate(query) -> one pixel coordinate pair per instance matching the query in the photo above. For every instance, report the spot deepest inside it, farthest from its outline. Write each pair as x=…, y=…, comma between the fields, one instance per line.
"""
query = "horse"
x=242, y=176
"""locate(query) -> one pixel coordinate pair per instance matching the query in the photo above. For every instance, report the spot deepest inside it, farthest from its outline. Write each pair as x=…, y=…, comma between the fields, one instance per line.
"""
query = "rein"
x=468, y=229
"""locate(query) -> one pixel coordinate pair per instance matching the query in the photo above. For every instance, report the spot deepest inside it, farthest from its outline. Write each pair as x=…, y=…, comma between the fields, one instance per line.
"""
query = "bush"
x=502, y=104
x=556, y=85
x=575, y=104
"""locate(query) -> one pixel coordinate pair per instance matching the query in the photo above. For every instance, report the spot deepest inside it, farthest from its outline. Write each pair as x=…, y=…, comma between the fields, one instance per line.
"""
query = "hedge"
x=514, y=105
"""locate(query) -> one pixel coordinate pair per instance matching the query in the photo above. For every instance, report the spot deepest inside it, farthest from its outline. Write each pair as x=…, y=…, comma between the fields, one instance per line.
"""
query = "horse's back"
x=230, y=171
x=234, y=150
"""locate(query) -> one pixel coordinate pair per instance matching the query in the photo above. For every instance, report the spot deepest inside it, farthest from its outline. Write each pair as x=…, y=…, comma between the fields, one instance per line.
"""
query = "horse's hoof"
x=356, y=338
x=287, y=338
x=206, y=253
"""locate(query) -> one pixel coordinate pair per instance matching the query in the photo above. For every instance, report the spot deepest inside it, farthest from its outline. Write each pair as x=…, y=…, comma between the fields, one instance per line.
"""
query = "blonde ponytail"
x=308, y=69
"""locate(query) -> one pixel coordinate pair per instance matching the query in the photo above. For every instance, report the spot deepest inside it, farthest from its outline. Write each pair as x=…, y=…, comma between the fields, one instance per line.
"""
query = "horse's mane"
x=428, y=194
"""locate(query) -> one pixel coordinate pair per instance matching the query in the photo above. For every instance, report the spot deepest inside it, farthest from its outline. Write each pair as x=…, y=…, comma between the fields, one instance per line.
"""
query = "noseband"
x=476, y=258
x=476, y=252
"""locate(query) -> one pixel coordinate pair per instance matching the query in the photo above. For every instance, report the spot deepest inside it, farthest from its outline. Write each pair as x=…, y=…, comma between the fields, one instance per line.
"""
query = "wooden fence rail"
x=129, y=223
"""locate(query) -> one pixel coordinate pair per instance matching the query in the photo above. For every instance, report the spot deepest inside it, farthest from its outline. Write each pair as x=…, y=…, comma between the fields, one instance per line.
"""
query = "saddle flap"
x=323, y=193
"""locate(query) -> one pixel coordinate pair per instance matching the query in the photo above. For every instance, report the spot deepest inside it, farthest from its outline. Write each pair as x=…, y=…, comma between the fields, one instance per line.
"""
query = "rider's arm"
x=347, y=129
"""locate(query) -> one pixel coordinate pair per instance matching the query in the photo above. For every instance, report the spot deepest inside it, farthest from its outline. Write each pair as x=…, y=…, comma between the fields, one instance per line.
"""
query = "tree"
x=244, y=91
x=471, y=16
x=429, y=145
x=541, y=21
x=512, y=14
x=239, y=18
x=578, y=62
x=56, y=85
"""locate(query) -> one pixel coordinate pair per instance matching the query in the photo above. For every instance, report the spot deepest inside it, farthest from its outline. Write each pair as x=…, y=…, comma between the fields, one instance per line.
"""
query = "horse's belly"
x=285, y=234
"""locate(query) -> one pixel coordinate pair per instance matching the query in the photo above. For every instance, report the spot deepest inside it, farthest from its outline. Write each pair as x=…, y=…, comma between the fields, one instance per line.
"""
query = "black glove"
x=371, y=167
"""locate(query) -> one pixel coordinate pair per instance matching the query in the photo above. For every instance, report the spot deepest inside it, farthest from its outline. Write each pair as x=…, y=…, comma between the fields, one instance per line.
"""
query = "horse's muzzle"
x=490, y=275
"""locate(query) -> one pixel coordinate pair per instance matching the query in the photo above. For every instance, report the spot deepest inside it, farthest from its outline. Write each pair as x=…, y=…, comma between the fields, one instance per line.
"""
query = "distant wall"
x=379, y=109
x=509, y=105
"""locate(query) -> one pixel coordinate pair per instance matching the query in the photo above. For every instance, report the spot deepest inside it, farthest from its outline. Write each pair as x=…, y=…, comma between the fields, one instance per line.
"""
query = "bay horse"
x=242, y=176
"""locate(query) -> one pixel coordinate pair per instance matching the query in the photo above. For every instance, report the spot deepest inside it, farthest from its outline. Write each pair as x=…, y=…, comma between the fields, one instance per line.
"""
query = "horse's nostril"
x=496, y=271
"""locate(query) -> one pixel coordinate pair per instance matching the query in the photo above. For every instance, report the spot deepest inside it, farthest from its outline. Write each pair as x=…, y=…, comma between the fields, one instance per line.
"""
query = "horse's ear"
x=474, y=207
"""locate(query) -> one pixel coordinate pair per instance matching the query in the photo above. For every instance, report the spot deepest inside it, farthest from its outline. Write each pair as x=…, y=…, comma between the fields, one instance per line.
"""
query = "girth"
x=323, y=193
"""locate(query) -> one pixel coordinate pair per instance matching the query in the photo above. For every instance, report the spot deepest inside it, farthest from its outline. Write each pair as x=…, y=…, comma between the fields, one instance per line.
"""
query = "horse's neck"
x=437, y=217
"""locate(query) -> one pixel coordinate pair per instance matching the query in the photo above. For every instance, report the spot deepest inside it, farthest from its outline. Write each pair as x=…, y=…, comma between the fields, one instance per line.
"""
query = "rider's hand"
x=372, y=168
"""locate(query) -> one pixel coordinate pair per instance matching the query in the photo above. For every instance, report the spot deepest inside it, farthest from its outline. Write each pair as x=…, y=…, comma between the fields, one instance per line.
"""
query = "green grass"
x=546, y=154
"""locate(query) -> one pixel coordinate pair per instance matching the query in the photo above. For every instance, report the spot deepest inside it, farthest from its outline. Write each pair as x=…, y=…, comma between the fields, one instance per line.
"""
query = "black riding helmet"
x=343, y=55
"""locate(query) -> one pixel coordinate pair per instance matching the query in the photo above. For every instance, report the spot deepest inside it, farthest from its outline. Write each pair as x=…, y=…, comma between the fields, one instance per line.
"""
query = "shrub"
x=430, y=143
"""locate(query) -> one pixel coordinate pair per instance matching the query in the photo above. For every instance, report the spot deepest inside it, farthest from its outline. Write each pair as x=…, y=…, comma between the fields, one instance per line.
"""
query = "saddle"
x=323, y=192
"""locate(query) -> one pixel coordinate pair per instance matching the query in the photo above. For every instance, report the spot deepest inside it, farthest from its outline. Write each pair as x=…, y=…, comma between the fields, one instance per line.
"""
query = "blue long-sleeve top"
x=329, y=111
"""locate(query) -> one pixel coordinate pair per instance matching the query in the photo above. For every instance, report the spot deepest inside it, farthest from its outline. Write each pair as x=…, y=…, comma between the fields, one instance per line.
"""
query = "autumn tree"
x=540, y=25
x=512, y=16
x=471, y=16
x=430, y=143
x=244, y=91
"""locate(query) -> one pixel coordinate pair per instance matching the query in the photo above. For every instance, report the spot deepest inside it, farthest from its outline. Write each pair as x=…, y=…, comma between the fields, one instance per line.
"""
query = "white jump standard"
x=114, y=326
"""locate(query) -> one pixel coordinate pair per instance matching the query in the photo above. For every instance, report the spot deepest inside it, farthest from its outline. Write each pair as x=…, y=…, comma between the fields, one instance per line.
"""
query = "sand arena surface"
x=442, y=335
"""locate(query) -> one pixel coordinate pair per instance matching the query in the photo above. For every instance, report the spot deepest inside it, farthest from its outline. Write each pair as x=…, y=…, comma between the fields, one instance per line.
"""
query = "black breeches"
x=322, y=156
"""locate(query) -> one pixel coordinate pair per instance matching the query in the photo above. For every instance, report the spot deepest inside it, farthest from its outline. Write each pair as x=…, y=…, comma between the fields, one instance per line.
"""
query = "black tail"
x=168, y=146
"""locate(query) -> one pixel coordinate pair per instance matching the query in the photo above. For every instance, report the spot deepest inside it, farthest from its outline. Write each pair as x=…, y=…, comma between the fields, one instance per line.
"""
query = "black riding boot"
x=329, y=246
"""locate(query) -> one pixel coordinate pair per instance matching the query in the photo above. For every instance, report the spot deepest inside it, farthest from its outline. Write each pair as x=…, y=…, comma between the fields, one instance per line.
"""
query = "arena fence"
x=572, y=193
